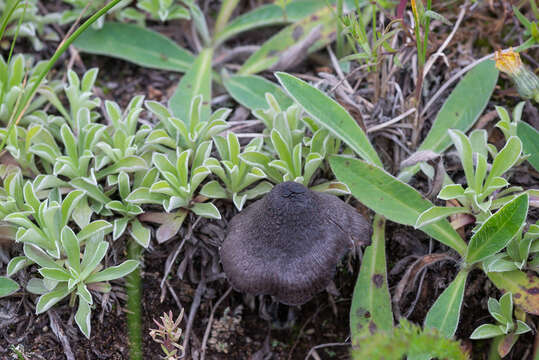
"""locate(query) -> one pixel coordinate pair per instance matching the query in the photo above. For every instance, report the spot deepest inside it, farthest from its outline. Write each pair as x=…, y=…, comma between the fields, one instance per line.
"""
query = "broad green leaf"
x=137, y=45
x=458, y=112
x=37, y=255
x=371, y=302
x=207, y=210
x=505, y=159
x=113, y=272
x=250, y=91
x=128, y=164
x=7, y=286
x=140, y=233
x=464, y=149
x=91, y=190
x=71, y=248
x=444, y=315
x=530, y=142
x=498, y=230
x=17, y=263
x=82, y=317
x=55, y=274
x=274, y=51
x=436, y=213
x=523, y=287
x=328, y=113
x=46, y=301
x=451, y=191
x=94, y=227
x=391, y=198
x=196, y=81
x=269, y=15
x=486, y=331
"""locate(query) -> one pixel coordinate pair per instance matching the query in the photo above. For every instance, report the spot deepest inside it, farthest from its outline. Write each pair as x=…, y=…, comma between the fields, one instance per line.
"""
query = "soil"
x=246, y=327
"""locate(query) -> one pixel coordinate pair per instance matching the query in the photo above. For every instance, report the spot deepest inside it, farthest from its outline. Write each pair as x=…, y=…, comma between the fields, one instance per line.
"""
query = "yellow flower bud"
x=526, y=81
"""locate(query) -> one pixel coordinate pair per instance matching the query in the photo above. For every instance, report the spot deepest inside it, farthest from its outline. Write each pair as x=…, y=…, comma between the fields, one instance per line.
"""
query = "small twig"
x=210, y=321
x=390, y=122
x=193, y=311
x=439, y=52
x=312, y=352
x=234, y=53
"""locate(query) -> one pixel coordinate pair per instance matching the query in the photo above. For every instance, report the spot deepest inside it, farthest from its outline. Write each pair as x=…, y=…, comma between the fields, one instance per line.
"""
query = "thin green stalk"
x=340, y=38
x=224, y=14
x=59, y=51
x=133, y=286
x=17, y=32
x=426, y=30
x=6, y=20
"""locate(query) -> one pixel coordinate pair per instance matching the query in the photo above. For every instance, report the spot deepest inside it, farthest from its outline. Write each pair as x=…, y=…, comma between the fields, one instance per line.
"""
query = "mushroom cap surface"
x=289, y=243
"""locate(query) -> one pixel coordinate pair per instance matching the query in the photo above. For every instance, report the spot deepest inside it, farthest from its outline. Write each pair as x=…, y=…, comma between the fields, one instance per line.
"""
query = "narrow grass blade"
x=498, y=230
x=196, y=81
x=250, y=91
x=458, y=112
x=444, y=315
x=137, y=45
x=331, y=115
x=388, y=196
x=371, y=302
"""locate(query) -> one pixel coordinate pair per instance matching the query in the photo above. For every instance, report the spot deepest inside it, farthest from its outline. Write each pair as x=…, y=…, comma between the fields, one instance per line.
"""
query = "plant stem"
x=6, y=20
x=59, y=51
x=340, y=37
x=134, y=309
x=225, y=12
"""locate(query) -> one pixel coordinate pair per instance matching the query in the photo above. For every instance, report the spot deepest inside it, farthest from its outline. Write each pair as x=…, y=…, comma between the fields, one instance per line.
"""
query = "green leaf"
x=94, y=227
x=498, y=230
x=69, y=204
x=274, y=52
x=436, y=213
x=17, y=263
x=113, y=272
x=445, y=313
x=458, y=112
x=82, y=317
x=7, y=286
x=269, y=15
x=128, y=164
x=250, y=91
x=506, y=158
x=207, y=210
x=486, y=331
x=530, y=142
x=196, y=81
x=213, y=190
x=371, y=302
x=451, y=191
x=328, y=113
x=55, y=274
x=464, y=148
x=91, y=190
x=140, y=233
x=46, y=301
x=391, y=198
x=72, y=248
x=137, y=45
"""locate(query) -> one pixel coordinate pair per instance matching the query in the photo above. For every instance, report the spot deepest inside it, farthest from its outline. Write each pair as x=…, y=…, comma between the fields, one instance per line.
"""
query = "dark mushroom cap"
x=288, y=243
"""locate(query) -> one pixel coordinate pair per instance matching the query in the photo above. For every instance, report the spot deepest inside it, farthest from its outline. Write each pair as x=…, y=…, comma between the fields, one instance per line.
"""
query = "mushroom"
x=288, y=243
